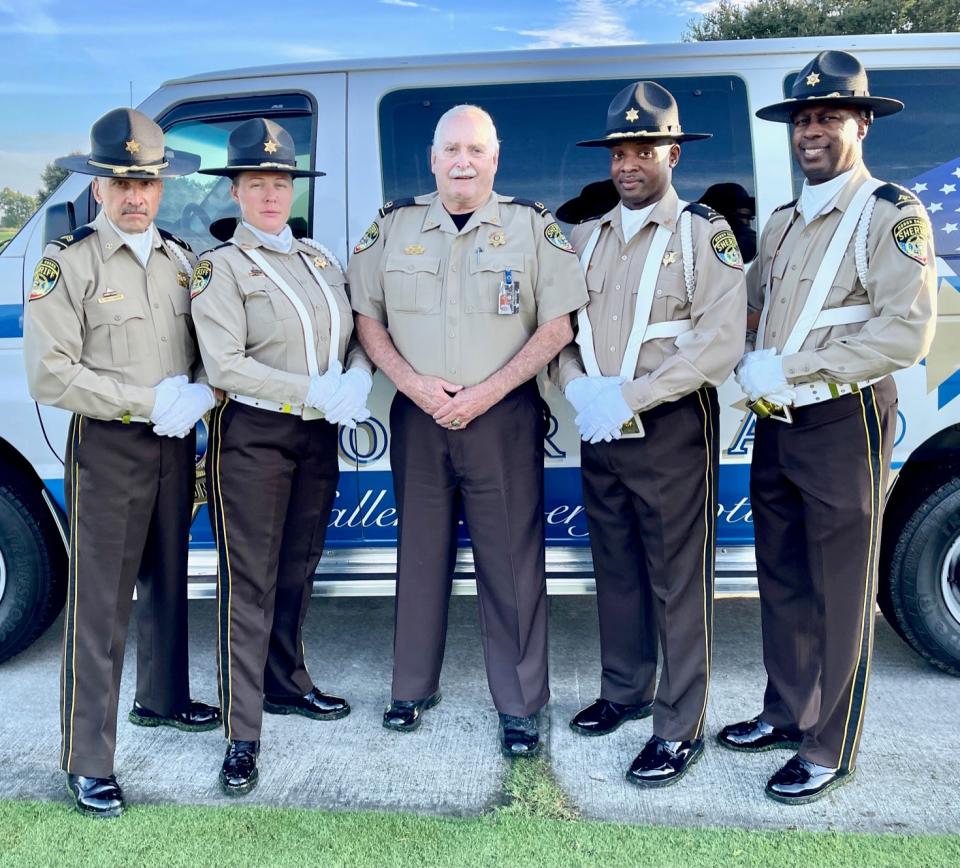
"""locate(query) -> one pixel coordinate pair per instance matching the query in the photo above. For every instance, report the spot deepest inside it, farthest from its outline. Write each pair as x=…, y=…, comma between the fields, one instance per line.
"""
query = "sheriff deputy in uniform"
x=663, y=328
x=462, y=296
x=108, y=336
x=845, y=282
x=275, y=329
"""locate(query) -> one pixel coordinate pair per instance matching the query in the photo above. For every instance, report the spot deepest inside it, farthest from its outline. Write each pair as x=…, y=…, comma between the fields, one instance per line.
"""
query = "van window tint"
x=540, y=123
x=191, y=203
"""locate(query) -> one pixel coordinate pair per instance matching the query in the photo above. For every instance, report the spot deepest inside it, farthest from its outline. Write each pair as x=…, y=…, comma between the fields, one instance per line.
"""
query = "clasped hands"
x=760, y=375
x=178, y=405
x=341, y=395
x=601, y=407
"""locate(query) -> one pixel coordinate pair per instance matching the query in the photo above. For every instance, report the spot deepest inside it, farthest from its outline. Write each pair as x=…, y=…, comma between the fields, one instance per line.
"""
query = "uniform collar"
x=858, y=176
x=663, y=213
x=246, y=239
x=110, y=242
x=437, y=217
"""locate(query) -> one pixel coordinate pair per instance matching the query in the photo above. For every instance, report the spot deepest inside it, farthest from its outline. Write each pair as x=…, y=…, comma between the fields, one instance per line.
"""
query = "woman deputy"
x=275, y=330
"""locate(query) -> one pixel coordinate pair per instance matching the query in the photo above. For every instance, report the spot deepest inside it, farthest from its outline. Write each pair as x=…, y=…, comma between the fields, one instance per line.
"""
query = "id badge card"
x=508, y=295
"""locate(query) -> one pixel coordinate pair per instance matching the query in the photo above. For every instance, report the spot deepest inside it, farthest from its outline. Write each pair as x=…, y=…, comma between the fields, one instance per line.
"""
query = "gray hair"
x=466, y=109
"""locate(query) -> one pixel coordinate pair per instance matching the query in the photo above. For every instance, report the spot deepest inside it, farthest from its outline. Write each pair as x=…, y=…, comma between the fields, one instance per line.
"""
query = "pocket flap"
x=493, y=261
x=413, y=264
x=111, y=313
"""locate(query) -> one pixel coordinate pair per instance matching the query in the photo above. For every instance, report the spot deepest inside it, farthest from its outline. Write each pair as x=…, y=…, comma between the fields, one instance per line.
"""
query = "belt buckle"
x=633, y=427
x=765, y=409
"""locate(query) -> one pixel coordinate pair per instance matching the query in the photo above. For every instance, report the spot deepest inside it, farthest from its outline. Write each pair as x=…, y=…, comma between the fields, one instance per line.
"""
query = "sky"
x=63, y=64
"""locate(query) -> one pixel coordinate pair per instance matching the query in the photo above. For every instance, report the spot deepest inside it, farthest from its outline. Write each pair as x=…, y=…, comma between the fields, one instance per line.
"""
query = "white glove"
x=349, y=403
x=782, y=397
x=193, y=400
x=323, y=386
x=165, y=394
x=604, y=415
x=581, y=391
x=761, y=373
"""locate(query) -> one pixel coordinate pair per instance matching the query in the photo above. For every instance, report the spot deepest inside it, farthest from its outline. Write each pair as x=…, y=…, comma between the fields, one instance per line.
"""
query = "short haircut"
x=466, y=109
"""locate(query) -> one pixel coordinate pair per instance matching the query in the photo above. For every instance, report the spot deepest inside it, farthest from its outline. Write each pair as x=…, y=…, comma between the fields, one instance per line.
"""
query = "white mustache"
x=462, y=173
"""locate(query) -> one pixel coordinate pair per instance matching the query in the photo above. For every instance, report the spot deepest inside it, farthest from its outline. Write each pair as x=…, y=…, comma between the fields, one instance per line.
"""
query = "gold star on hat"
x=270, y=146
x=632, y=115
x=133, y=146
x=813, y=78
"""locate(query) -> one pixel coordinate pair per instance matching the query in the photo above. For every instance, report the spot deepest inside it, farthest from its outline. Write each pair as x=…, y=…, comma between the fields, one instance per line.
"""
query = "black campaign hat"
x=832, y=76
x=125, y=143
x=643, y=111
x=261, y=144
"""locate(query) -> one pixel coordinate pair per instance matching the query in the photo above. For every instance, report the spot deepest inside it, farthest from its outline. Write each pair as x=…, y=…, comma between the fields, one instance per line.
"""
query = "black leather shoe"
x=604, y=716
x=519, y=736
x=663, y=762
x=315, y=705
x=239, y=773
x=198, y=717
x=404, y=715
x=801, y=781
x=96, y=797
x=755, y=735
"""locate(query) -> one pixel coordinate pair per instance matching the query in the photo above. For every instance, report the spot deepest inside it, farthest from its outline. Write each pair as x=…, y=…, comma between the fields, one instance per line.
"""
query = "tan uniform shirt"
x=436, y=288
x=900, y=286
x=251, y=337
x=667, y=368
x=108, y=330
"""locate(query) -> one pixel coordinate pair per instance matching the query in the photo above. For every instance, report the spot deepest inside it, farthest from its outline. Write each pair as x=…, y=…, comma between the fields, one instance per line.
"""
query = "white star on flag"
x=919, y=188
x=956, y=172
x=946, y=189
x=949, y=227
x=934, y=207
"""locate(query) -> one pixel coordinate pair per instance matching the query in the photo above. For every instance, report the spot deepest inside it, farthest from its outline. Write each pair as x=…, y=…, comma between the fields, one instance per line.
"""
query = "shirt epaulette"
x=169, y=236
x=900, y=196
x=396, y=203
x=64, y=241
x=218, y=247
x=792, y=204
x=539, y=207
x=704, y=211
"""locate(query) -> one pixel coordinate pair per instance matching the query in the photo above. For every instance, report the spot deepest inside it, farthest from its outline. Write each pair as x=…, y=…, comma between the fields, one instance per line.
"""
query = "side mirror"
x=60, y=219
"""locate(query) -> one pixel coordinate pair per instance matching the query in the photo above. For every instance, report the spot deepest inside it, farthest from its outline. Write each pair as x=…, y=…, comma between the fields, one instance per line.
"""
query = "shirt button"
x=453, y=301
x=773, y=334
x=623, y=258
x=453, y=334
x=618, y=286
x=117, y=318
x=163, y=339
x=615, y=317
x=613, y=349
x=793, y=267
x=783, y=300
x=453, y=267
x=659, y=292
x=323, y=339
x=453, y=370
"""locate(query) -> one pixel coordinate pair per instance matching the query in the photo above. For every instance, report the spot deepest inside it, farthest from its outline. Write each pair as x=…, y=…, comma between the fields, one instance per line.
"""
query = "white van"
x=368, y=125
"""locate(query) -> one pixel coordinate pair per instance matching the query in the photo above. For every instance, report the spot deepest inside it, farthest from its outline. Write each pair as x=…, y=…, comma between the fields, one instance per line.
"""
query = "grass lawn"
x=536, y=827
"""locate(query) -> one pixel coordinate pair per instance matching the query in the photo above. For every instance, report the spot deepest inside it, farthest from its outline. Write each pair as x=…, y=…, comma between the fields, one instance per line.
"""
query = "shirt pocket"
x=124, y=320
x=412, y=283
x=595, y=276
x=670, y=300
x=482, y=292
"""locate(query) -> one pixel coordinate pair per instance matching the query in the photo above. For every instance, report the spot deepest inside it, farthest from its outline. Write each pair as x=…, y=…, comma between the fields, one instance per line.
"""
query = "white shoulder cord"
x=686, y=250
x=325, y=251
x=179, y=254
x=860, y=246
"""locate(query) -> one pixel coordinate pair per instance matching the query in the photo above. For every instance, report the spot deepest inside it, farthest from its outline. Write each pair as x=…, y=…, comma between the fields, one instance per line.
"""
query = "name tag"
x=508, y=295
x=110, y=295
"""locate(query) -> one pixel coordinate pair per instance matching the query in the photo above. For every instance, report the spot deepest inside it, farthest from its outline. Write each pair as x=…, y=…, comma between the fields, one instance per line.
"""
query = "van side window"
x=191, y=204
x=540, y=123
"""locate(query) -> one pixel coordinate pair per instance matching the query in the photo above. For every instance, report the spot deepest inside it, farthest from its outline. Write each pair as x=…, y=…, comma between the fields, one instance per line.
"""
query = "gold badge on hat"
x=498, y=238
x=320, y=262
x=632, y=115
x=669, y=258
x=133, y=146
x=414, y=249
x=270, y=146
x=813, y=78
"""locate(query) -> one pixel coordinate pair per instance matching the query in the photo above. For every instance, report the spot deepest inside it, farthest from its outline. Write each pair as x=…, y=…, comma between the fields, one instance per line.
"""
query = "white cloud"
x=22, y=171
x=408, y=4
x=588, y=22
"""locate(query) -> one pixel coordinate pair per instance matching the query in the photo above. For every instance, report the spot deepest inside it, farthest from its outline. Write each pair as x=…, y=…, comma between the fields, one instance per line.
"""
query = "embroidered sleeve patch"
x=554, y=234
x=912, y=235
x=369, y=238
x=45, y=277
x=202, y=273
x=724, y=244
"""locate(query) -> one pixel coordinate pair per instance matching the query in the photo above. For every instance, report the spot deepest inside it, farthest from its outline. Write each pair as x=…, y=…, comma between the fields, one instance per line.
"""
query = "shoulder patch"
x=64, y=241
x=202, y=273
x=539, y=207
x=169, y=236
x=900, y=196
x=792, y=204
x=554, y=234
x=45, y=278
x=724, y=244
x=912, y=236
x=396, y=203
x=369, y=237
x=704, y=211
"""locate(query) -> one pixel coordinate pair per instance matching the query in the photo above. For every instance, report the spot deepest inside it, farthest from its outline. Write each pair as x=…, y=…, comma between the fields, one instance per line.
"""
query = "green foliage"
x=16, y=207
x=766, y=19
x=52, y=177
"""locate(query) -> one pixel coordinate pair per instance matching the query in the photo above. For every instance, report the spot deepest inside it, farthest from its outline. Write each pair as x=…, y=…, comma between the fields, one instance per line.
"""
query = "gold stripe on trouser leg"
x=224, y=577
x=707, y=556
x=69, y=698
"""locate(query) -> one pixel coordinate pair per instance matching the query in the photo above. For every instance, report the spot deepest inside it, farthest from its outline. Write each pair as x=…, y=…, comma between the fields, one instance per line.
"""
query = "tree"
x=52, y=176
x=17, y=208
x=765, y=19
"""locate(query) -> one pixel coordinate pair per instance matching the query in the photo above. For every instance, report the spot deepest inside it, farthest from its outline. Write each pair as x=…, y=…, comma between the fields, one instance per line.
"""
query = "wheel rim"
x=950, y=579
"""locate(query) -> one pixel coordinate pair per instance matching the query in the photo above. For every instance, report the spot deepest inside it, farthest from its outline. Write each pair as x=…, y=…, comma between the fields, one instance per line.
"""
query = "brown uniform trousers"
x=651, y=511
x=272, y=479
x=129, y=500
x=817, y=489
x=494, y=468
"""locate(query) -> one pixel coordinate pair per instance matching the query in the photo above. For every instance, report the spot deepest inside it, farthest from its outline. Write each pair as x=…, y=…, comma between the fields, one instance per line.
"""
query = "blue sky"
x=62, y=64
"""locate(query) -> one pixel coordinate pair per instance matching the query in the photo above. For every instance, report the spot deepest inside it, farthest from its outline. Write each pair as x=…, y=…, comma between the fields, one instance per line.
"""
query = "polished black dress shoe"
x=404, y=715
x=801, y=781
x=755, y=735
x=197, y=717
x=315, y=705
x=96, y=797
x=239, y=773
x=519, y=736
x=663, y=762
x=604, y=716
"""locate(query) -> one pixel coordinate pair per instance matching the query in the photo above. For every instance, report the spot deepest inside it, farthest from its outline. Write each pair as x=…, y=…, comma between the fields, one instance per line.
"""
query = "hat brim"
x=613, y=141
x=782, y=112
x=233, y=171
x=179, y=163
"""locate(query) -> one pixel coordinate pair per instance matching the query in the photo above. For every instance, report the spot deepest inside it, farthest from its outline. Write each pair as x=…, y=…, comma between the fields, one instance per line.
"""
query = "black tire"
x=34, y=565
x=923, y=578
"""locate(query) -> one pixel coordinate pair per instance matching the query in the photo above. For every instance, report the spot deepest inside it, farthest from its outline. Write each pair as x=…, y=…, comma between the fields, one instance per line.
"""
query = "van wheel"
x=923, y=578
x=32, y=567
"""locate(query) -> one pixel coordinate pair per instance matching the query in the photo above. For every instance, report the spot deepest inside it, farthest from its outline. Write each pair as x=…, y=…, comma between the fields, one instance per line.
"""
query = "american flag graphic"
x=938, y=190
